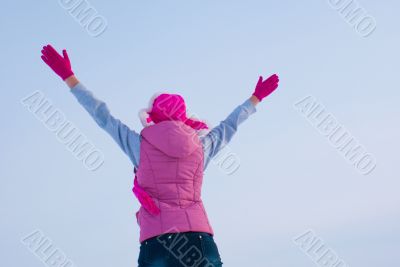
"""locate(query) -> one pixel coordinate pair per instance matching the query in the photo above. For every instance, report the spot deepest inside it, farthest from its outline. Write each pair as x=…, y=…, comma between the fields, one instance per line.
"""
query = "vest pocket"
x=137, y=218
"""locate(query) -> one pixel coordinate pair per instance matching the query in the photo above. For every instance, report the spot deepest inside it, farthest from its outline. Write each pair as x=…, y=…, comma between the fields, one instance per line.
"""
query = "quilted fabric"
x=171, y=172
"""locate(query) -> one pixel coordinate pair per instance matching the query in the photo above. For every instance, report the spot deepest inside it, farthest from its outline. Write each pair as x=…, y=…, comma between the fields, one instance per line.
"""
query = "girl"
x=169, y=156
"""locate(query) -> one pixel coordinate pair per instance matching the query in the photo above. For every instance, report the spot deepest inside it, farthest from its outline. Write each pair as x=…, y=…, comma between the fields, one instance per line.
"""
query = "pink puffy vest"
x=171, y=172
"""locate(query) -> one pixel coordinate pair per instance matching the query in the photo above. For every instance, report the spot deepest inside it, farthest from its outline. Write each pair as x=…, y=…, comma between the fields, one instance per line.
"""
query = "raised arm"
x=222, y=134
x=128, y=140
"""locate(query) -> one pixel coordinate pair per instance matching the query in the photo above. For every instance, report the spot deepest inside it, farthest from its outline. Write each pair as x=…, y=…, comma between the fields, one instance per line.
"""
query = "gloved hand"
x=264, y=88
x=60, y=65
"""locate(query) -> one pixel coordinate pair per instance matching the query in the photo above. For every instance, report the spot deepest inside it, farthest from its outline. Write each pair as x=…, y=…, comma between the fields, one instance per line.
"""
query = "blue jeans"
x=188, y=249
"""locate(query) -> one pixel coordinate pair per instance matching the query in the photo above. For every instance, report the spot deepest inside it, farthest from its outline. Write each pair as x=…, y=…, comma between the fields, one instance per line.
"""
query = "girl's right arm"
x=222, y=134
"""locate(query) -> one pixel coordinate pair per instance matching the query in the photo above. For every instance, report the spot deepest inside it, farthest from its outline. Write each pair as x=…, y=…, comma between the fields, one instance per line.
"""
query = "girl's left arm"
x=127, y=139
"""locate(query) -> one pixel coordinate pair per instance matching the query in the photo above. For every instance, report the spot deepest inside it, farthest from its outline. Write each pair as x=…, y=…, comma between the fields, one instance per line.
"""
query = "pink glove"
x=264, y=88
x=145, y=200
x=60, y=65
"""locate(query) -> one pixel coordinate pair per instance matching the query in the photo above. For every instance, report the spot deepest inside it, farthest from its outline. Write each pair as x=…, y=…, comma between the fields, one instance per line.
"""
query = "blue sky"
x=211, y=52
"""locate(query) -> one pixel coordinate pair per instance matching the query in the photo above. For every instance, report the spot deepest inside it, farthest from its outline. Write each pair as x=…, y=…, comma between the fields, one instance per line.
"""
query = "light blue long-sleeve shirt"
x=129, y=140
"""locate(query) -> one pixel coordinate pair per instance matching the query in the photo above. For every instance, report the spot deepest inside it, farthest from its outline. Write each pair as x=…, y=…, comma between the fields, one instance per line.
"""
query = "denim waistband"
x=174, y=234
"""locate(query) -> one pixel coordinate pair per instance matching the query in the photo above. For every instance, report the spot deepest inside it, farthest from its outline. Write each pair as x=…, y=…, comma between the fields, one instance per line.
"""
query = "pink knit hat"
x=163, y=106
